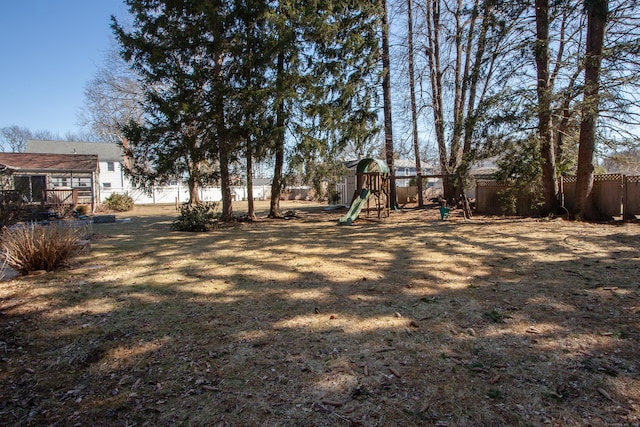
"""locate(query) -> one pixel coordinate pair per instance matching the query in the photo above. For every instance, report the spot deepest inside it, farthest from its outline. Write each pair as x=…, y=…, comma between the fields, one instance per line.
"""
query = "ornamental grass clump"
x=32, y=247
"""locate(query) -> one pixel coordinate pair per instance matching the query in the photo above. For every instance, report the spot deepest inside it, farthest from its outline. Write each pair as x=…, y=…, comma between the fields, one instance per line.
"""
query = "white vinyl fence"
x=180, y=194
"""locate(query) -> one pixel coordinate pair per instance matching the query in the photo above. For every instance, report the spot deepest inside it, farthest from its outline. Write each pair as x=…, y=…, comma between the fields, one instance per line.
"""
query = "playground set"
x=372, y=191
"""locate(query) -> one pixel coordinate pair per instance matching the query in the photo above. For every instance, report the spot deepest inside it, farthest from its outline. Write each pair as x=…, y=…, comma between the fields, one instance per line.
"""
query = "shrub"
x=11, y=207
x=333, y=196
x=60, y=210
x=508, y=200
x=119, y=202
x=82, y=209
x=200, y=217
x=31, y=246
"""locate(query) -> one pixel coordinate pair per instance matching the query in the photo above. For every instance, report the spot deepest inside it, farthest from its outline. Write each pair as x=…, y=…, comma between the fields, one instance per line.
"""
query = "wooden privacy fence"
x=613, y=195
x=489, y=195
x=631, y=197
x=606, y=194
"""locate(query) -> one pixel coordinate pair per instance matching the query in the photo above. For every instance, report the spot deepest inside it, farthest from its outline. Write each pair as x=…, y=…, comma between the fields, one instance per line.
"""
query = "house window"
x=81, y=182
x=59, y=181
x=106, y=185
x=110, y=167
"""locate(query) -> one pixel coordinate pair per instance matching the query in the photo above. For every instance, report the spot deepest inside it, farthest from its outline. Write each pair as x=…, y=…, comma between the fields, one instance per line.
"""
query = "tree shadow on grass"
x=418, y=323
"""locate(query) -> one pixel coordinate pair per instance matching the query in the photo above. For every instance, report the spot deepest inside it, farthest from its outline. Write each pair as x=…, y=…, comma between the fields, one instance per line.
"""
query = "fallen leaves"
x=398, y=335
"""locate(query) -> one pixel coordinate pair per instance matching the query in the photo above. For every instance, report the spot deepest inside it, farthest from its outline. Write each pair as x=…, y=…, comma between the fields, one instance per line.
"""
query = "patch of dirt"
x=407, y=321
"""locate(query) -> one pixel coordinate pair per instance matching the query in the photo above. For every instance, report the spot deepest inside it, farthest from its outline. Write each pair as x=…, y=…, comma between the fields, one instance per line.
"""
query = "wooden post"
x=93, y=191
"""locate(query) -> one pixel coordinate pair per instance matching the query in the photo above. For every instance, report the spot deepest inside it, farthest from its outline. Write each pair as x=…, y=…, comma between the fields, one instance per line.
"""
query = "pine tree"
x=545, y=92
x=170, y=47
x=324, y=81
x=597, y=12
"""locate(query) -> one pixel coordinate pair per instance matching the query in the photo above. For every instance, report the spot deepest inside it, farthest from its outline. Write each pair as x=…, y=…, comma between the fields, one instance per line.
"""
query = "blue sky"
x=50, y=50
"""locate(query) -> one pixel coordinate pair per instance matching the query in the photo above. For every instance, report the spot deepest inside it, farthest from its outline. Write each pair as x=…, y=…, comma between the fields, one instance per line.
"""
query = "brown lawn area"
x=300, y=322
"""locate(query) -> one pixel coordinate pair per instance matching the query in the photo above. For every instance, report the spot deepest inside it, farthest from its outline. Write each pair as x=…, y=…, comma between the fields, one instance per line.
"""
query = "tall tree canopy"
x=325, y=74
x=113, y=98
x=229, y=76
x=296, y=83
x=506, y=79
x=170, y=47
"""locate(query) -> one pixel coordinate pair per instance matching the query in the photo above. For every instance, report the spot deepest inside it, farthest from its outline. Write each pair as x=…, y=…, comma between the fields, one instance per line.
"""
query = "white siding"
x=116, y=177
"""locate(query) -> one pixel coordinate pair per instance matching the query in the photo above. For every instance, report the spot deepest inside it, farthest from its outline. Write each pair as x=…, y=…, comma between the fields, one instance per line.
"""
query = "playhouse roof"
x=372, y=165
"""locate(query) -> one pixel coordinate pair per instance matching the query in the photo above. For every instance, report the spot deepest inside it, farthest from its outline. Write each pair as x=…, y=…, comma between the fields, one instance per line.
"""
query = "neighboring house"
x=484, y=168
x=110, y=157
x=404, y=167
x=113, y=179
x=51, y=178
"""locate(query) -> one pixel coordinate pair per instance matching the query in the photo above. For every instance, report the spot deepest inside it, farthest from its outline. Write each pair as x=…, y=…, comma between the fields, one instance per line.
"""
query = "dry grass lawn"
x=300, y=322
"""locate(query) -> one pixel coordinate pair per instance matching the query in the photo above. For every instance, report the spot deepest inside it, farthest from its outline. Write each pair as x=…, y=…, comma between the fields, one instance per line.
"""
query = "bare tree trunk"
x=224, y=149
x=474, y=78
x=597, y=11
x=544, y=90
x=251, y=211
x=193, y=167
x=565, y=113
x=386, y=89
x=435, y=77
x=194, y=195
x=225, y=181
x=463, y=118
x=414, y=112
x=276, y=183
x=458, y=97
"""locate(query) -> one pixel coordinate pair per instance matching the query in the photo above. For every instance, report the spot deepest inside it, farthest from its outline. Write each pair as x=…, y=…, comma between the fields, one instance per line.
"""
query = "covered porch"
x=55, y=182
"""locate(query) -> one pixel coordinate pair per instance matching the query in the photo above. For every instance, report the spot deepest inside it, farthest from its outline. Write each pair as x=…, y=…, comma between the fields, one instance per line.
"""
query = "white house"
x=405, y=167
x=110, y=161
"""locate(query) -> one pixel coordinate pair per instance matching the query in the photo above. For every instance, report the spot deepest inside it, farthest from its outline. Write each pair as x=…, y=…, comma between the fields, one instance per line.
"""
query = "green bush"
x=333, y=196
x=508, y=200
x=119, y=202
x=200, y=217
x=31, y=246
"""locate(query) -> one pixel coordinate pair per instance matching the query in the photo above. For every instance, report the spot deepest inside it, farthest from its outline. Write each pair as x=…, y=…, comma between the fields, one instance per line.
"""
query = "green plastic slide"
x=355, y=208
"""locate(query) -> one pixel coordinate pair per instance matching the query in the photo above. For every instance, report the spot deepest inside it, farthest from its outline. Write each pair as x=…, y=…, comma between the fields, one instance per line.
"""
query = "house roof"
x=409, y=163
x=106, y=151
x=38, y=162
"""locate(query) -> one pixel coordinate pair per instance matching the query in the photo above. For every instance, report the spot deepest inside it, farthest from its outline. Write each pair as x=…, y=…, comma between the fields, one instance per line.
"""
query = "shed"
x=51, y=178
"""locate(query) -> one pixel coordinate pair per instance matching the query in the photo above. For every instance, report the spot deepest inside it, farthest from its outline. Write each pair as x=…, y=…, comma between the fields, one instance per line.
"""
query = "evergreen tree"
x=170, y=47
x=338, y=98
x=597, y=13
x=324, y=81
x=545, y=92
x=228, y=77
x=249, y=106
